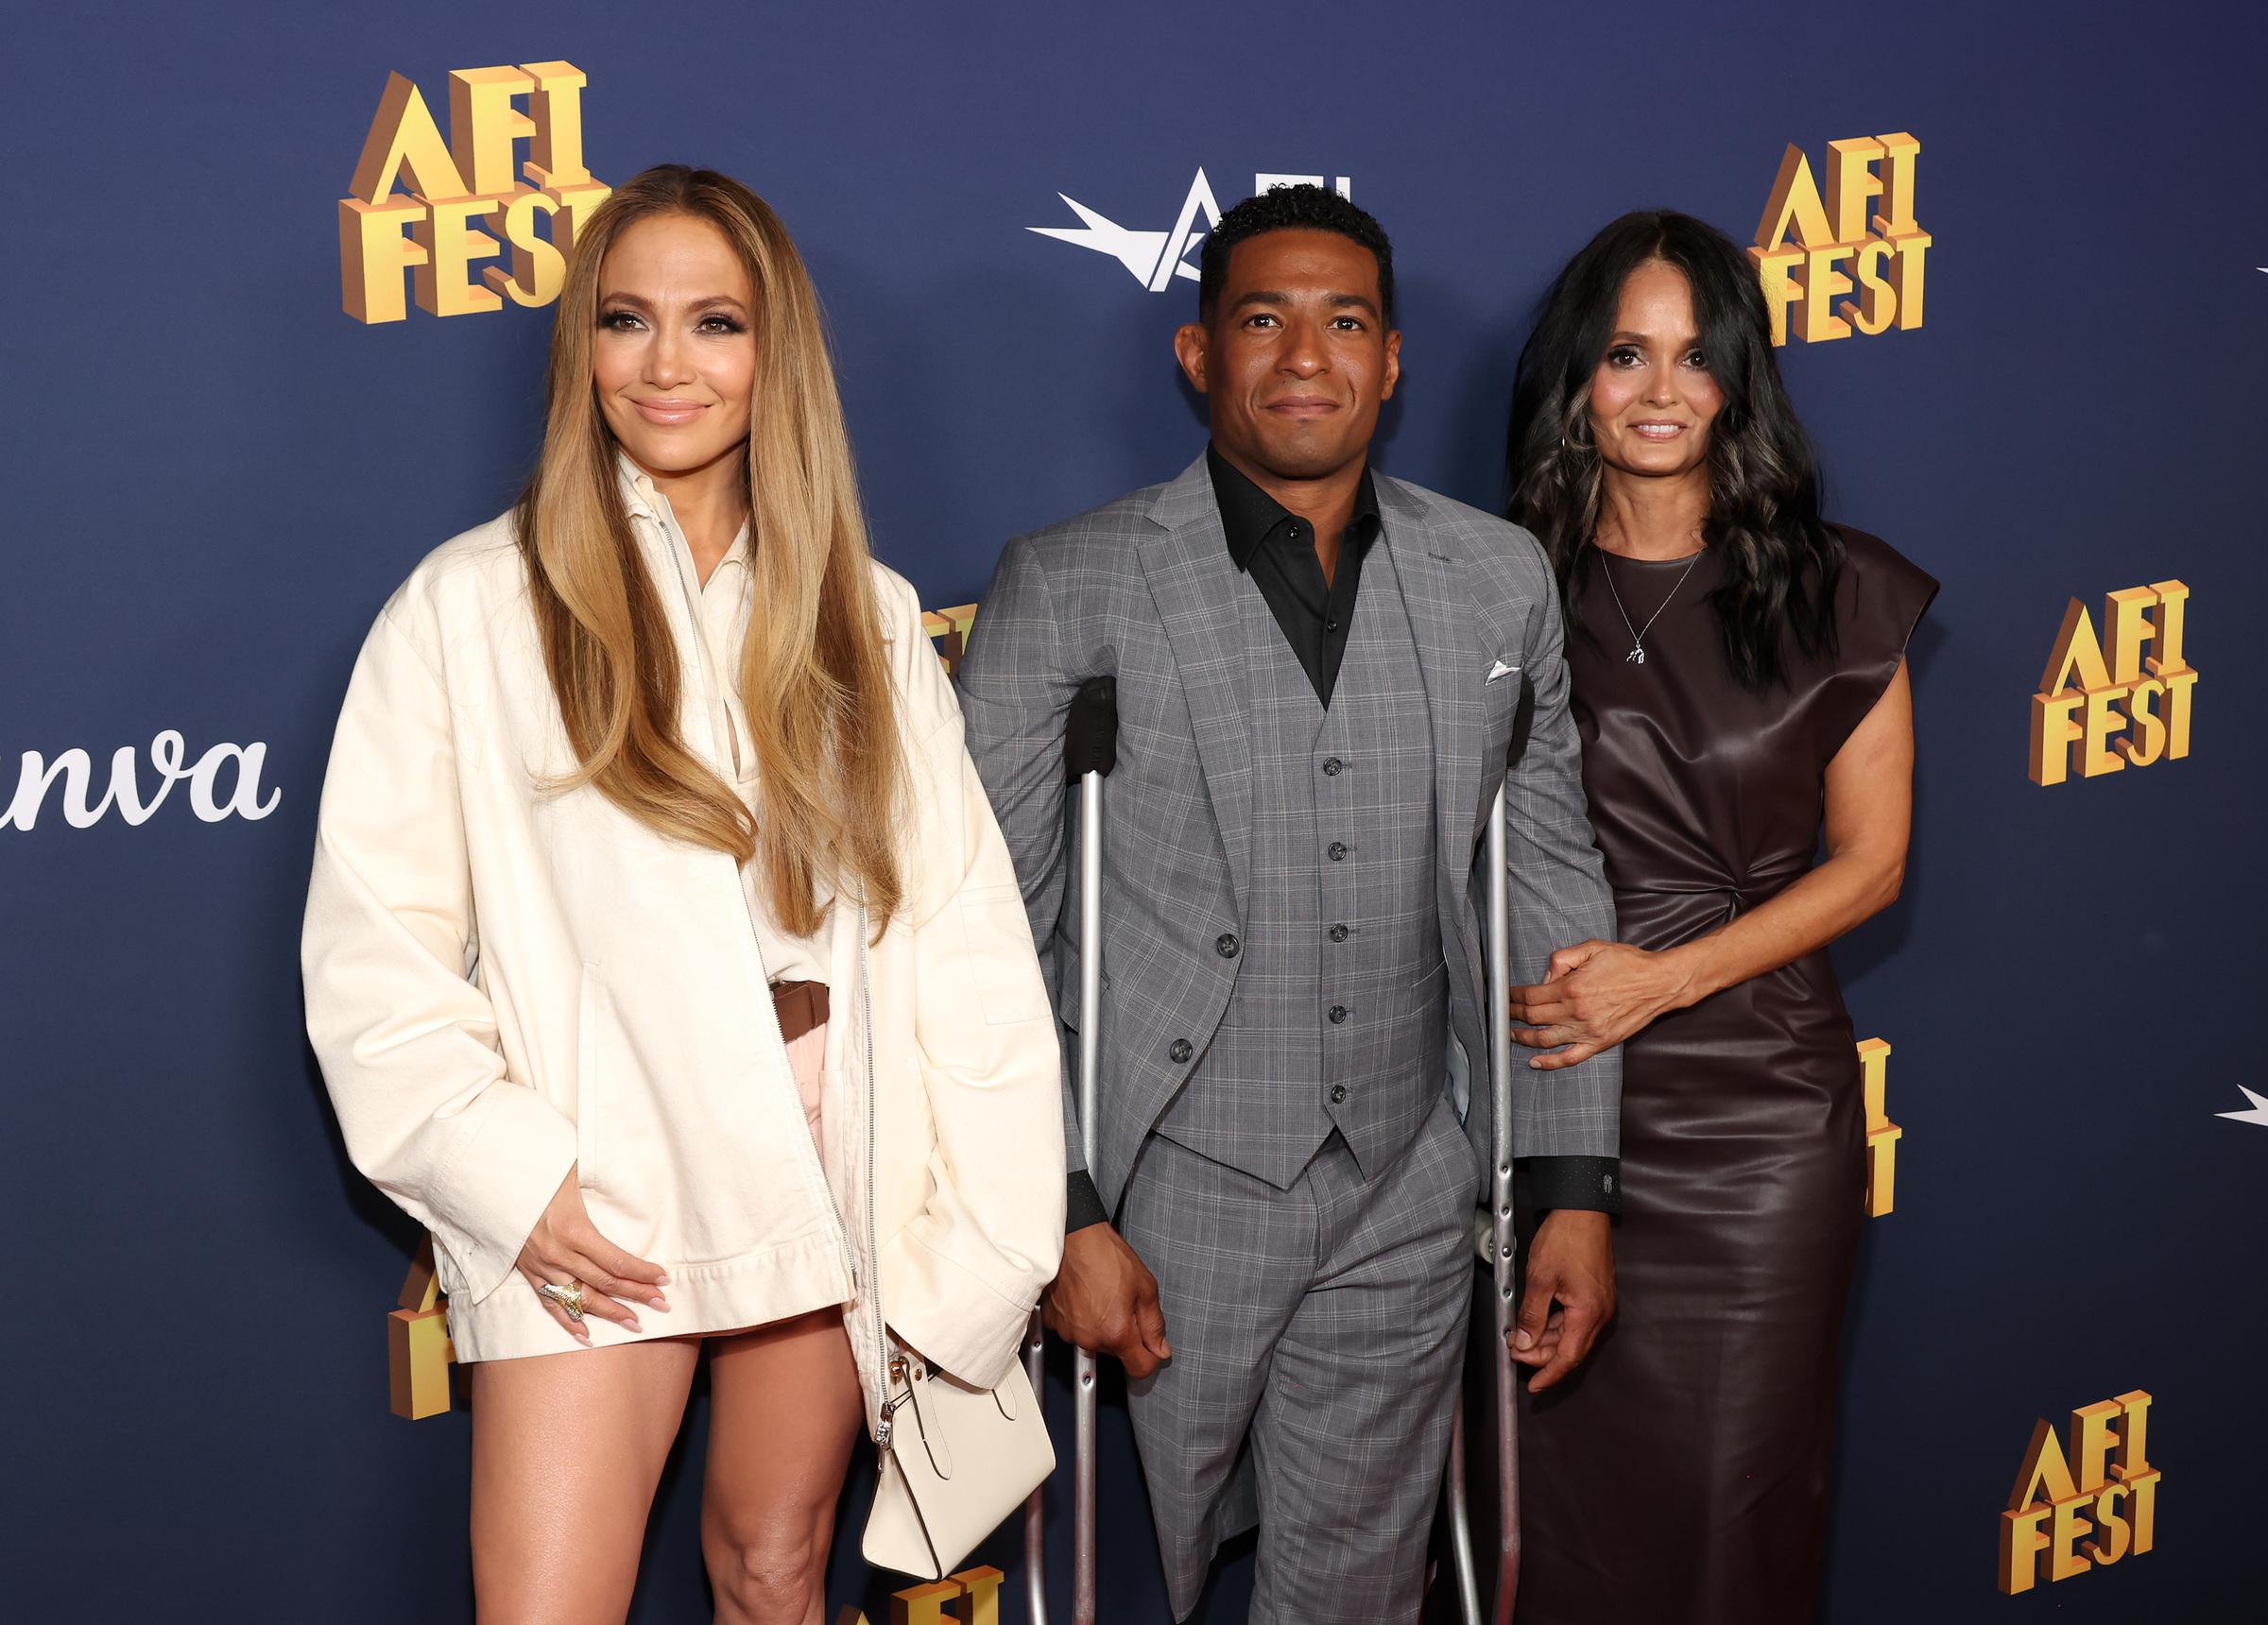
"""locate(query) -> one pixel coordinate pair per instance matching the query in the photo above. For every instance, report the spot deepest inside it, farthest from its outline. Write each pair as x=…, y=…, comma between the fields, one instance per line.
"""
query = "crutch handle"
x=1090, y=733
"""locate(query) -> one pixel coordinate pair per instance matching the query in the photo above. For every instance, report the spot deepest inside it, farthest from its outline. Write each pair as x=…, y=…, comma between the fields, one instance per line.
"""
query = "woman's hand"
x=565, y=1248
x=1595, y=995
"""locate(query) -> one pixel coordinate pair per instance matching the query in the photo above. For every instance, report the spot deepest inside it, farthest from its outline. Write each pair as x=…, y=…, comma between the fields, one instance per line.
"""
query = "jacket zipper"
x=881, y=1363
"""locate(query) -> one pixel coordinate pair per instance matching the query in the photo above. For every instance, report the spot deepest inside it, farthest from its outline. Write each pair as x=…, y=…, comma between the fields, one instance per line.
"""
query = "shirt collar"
x=641, y=499
x=1250, y=516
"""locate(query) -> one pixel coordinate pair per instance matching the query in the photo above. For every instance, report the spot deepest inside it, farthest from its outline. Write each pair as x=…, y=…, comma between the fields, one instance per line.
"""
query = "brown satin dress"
x=1680, y=1478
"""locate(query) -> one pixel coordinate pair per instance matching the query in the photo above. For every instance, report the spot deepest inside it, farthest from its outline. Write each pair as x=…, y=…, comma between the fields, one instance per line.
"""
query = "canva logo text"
x=224, y=783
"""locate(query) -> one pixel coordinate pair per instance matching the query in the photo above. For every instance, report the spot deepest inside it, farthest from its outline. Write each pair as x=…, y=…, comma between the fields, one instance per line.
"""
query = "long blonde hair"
x=813, y=676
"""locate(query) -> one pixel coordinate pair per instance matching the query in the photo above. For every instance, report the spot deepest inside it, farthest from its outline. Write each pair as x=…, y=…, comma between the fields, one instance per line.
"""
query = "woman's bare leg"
x=566, y=1451
x=785, y=1407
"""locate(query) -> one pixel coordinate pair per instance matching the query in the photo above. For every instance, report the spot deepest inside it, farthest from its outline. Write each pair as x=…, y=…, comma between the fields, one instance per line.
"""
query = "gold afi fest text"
x=934, y=1603
x=1842, y=244
x=1882, y=1134
x=2070, y=1513
x=429, y=233
x=2100, y=709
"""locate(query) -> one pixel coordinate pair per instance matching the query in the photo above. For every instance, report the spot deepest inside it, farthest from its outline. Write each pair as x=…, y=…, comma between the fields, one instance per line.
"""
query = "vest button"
x=1338, y=1094
x=1226, y=944
x=1337, y=850
x=1179, y=1050
x=1332, y=766
x=1338, y=934
x=1338, y=1013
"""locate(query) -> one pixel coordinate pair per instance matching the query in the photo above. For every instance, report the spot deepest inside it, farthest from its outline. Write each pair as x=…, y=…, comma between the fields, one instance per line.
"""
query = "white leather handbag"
x=956, y=1462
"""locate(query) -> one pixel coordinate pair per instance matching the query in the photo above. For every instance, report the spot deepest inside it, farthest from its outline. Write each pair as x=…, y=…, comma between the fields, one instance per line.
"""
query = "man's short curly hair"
x=1302, y=208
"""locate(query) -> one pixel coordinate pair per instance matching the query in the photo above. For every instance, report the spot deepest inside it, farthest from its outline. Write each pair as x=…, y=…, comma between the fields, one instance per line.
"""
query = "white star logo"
x=1156, y=258
x=2258, y=1114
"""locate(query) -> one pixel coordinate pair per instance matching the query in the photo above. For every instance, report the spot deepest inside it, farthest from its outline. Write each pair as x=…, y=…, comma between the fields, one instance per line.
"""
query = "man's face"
x=1296, y=356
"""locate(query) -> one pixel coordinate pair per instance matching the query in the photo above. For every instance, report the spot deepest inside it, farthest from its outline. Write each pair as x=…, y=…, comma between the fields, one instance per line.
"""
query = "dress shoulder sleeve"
x=1879, y=599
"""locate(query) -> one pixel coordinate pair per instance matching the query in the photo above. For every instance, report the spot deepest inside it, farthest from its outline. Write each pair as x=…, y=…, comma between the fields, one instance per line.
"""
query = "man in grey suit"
x=1318, y=673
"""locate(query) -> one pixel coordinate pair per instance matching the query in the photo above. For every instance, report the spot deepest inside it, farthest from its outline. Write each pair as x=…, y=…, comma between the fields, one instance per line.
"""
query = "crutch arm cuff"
x=1083, y=1204
x=1594, y=1183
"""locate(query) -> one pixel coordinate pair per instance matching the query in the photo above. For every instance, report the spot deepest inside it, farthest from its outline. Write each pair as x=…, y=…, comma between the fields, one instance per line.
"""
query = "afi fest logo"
x=428, y=233
x=2072, y=1513
x=1156, y=258
x=2100, y=709
x=1843, y=243
x=1882, y=1134
x=932, y=1604
x=224, y=783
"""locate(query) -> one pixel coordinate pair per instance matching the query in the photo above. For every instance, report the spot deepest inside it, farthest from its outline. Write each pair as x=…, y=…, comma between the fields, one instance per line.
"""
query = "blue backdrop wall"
x=216, y=475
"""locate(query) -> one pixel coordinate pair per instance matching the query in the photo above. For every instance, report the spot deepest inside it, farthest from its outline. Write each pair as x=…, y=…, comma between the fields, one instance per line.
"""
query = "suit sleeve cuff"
x=1083, y=1203
x=1592, y=1183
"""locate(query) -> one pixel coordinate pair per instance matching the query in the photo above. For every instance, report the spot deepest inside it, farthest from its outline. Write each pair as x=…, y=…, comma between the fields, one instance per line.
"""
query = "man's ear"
x=1393, y=373
x=1191, y=344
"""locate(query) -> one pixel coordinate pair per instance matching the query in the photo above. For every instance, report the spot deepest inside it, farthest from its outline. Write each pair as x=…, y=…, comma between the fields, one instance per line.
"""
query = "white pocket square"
x=1500, y=671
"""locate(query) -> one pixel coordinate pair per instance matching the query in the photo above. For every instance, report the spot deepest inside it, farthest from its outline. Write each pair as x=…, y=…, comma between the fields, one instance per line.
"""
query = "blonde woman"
x=663, y=955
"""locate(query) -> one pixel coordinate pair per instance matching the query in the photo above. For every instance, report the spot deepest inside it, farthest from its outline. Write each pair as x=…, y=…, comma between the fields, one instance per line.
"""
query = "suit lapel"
x=1441, y=611
x=1195, y=587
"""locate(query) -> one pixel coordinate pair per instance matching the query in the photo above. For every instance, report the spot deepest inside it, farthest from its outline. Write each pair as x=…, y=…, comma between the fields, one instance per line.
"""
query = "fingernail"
x=634, y=1325
x=656, y=1301
x=1522, y=1340
x=1536, y=1066
x=663, y=1279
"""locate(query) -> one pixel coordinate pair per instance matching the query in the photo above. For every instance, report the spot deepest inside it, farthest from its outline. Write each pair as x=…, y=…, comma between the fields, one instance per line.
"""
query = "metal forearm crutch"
x=1499, y=955
x=1035, y=1510
x=1090, y=752
x=1500, y=1214
x=1460, y=1518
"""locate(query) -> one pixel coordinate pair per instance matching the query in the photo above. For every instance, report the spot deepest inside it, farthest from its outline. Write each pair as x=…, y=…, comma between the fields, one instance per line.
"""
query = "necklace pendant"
x=1636, y=656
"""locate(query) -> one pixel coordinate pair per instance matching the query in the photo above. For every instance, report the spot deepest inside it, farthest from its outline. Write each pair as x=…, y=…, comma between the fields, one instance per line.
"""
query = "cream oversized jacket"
x=504, y=982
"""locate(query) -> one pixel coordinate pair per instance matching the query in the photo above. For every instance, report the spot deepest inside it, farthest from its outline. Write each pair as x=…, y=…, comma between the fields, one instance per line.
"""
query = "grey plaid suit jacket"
x=1144, y=589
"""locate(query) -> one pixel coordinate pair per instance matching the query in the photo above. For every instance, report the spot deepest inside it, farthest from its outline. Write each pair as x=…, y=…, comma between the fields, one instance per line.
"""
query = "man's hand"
x=1571, y=1261
x=1105, y=1300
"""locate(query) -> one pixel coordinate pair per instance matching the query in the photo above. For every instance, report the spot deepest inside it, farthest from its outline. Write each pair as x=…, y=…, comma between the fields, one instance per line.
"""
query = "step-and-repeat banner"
x=276, y=287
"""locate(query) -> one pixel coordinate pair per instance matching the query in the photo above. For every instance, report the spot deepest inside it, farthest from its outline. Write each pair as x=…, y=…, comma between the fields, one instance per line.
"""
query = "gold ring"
x=569, y=1297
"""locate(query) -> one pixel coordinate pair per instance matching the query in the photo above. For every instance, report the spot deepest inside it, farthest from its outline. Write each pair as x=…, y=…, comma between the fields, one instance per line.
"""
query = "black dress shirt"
x=1276, y=548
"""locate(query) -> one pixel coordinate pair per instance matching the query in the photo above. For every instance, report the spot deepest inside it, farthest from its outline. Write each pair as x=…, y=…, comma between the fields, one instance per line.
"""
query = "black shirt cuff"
x=1083, y=1204
x=1592, y=1182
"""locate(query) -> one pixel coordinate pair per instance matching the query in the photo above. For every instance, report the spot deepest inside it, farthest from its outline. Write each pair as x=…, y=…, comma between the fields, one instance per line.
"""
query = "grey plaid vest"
x=1340, y=1012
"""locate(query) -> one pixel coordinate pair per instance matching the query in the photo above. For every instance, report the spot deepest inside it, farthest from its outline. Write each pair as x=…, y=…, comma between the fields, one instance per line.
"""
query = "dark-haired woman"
x=1738, y=679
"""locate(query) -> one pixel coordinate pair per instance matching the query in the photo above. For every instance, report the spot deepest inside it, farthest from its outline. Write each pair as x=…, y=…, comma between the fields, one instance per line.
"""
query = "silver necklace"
x=1636, y=656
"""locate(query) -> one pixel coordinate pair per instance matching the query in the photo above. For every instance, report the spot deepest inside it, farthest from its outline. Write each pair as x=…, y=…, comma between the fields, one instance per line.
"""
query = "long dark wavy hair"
x=1781, y=559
